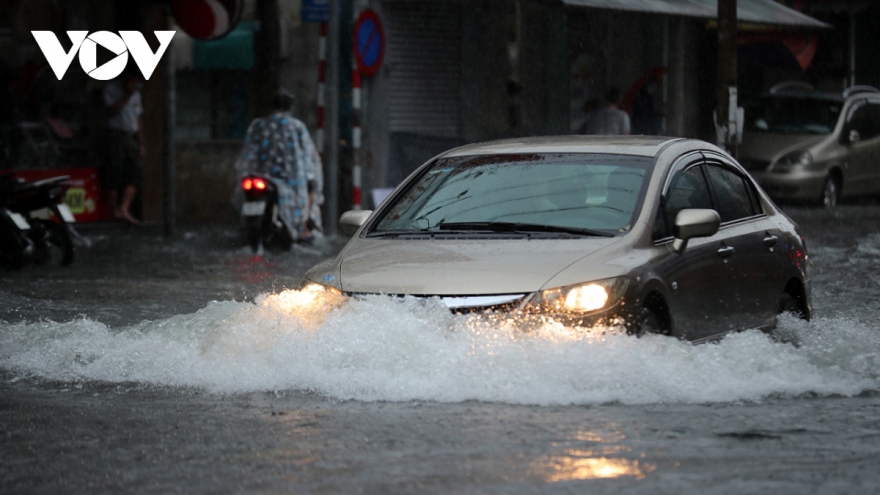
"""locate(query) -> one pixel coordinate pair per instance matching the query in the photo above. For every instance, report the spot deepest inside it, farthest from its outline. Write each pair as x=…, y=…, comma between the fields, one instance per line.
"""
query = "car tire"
x=649, y=323
x=830, y=192
x=789, y=305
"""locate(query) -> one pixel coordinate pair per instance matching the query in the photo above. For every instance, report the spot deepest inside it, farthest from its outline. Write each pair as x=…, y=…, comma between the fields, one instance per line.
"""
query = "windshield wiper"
x=425, y=232
x=524, y=228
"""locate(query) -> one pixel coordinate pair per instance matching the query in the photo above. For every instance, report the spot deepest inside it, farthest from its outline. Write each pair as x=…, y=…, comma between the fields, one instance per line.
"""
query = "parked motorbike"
x=15, y=243
x=262, y=223
x=46, y=235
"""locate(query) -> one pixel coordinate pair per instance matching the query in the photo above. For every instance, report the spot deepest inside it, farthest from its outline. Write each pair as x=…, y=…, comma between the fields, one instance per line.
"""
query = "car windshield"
x=590, y=194
x=792, y=114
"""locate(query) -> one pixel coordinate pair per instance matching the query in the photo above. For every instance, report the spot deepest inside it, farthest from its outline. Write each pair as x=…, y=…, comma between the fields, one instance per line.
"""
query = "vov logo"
x=87, y=45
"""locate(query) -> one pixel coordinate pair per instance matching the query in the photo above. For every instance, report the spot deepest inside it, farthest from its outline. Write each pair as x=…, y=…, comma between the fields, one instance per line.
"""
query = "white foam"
x=398, y=350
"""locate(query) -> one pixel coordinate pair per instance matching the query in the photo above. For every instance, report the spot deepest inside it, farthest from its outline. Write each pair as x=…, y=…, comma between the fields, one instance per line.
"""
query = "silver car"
x=802, y=144
x=656, y=234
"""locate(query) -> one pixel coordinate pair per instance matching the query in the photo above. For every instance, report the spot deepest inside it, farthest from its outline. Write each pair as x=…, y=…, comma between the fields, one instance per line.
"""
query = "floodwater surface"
x=193, y=366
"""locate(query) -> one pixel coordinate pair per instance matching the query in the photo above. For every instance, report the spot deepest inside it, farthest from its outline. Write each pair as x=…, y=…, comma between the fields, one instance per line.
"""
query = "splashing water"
x=380, y=348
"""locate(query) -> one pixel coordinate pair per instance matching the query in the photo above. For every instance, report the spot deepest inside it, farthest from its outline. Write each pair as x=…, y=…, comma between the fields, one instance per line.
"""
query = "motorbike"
x=262, y=223
x=43, y=223
x=15, y=244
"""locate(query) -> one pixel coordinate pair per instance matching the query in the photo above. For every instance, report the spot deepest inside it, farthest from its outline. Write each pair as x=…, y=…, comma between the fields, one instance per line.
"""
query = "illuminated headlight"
x=580, y=298
x=797, y=159
x=309, y=287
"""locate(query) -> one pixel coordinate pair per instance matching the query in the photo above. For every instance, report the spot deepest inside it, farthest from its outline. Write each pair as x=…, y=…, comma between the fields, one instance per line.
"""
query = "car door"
x=860, y=172
x=753, y=242
x=701, y=282
x=873, y=146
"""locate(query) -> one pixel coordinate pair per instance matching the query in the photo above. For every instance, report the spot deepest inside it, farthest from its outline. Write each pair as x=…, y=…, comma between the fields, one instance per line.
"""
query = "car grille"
x=478, y=304
x=475, y=304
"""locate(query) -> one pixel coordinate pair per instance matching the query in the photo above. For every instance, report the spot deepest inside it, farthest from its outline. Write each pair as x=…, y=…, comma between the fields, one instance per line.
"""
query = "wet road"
x=165, y=367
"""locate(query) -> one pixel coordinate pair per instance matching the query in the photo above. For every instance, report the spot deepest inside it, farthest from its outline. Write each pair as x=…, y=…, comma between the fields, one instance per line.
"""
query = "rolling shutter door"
x=424, y=54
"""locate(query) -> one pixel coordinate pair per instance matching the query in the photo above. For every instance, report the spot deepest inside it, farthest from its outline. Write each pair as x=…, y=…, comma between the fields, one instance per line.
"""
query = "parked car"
x=803, y=144
x=657, y=234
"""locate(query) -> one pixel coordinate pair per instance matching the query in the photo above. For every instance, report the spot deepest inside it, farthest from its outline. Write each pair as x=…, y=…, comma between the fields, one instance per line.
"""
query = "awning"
x=749, y=11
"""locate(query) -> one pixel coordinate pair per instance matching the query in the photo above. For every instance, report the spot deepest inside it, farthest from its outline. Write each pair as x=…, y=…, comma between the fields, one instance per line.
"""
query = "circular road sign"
x=369, y=42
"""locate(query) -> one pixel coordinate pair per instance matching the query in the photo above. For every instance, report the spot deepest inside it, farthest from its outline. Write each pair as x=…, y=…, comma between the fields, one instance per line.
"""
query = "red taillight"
x=249, y=183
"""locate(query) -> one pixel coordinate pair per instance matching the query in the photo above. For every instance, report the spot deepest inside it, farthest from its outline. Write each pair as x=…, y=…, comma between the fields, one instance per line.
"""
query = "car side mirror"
x=694, y=222
x=853, y=137
x=352, y=220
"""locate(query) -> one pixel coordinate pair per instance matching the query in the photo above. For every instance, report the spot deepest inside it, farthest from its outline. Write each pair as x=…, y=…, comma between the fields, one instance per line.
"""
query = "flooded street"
x=189, y=366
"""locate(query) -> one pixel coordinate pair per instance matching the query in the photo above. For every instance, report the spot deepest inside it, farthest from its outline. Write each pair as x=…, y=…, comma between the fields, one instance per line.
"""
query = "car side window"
x=688, y=189
x=874, y=110
x=860, y=119
x=731, y=191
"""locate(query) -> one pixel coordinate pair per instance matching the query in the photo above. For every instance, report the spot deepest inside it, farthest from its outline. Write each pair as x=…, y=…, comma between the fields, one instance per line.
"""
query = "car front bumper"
x=795, y=185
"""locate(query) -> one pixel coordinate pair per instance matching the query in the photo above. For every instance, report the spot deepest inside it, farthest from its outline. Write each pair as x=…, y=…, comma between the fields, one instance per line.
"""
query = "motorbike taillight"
x=253, y=183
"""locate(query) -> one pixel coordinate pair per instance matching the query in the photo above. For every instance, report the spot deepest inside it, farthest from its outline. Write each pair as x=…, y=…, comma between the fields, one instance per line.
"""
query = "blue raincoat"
x=279, y=146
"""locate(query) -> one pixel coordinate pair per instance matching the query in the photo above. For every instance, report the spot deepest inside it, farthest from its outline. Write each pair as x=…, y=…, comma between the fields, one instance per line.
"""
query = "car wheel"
x=648, y=323
x=788, y=305
x=831, y=192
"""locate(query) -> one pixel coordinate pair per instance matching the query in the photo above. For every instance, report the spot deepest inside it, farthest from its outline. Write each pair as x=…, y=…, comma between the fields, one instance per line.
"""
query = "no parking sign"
x=369, y=42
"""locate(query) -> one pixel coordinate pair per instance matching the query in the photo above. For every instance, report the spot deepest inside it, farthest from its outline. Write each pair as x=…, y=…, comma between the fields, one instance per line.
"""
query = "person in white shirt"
x=122, y=172
x=609, y=120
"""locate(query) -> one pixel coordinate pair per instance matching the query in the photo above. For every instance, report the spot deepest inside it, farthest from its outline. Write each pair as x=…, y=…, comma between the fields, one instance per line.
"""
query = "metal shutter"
x=424, y=53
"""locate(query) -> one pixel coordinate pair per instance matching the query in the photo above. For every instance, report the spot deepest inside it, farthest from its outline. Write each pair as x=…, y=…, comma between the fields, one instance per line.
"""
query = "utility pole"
x=725, y=110
x=169, y=201
x=268, y=42
x=331, y=166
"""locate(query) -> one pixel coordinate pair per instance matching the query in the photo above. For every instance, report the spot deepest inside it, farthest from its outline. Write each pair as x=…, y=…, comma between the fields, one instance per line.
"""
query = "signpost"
x=369, y=42
x=315, y=11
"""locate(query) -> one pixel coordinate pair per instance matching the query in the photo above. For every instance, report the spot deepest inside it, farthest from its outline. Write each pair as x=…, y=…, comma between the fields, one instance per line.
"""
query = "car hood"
x=463, y=267
x=765, y=146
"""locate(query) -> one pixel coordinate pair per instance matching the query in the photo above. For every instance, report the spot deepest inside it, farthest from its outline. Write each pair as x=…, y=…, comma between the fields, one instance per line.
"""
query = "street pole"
x=169, y=203
x=267, y=43
x=331, y=181
x=725, y=111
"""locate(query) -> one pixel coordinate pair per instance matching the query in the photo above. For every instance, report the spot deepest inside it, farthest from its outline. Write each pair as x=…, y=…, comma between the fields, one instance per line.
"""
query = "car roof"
x=624, y=145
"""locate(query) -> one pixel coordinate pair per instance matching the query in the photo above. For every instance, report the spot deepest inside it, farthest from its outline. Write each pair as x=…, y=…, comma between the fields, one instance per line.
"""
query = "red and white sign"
x=207, y=19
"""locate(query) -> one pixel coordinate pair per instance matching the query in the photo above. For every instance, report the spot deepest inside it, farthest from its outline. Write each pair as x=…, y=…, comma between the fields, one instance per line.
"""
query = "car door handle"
x=770, y=240
x=726, y=251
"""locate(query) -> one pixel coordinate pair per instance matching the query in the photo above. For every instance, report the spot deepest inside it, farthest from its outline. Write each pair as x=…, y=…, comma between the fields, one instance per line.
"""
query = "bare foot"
x=126, y=216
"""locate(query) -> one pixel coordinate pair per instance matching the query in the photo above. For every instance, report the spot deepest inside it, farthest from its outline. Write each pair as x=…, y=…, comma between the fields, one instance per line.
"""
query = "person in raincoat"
x=279, y=146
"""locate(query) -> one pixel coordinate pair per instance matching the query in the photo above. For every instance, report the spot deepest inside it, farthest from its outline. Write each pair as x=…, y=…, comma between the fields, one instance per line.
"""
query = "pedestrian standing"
x=609, y=119
x=122, y=170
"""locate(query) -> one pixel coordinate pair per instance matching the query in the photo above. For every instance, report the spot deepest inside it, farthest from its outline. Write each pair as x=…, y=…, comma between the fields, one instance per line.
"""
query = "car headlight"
x=796, y=159
x=307, y=286
x=580, y=298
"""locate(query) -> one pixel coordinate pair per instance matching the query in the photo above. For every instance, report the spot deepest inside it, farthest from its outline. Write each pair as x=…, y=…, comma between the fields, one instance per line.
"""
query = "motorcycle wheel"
x=11, y=249
x=282, y=238
x=56, y=247
x=253, y=230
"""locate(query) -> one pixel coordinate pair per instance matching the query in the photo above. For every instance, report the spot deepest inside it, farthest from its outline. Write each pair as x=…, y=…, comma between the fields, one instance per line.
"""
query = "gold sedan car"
x=657, y=234
x=802, y=144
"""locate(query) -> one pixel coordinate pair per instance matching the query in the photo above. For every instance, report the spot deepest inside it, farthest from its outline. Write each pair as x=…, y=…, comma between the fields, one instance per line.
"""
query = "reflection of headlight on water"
x=310, y=303
x=577, y=466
